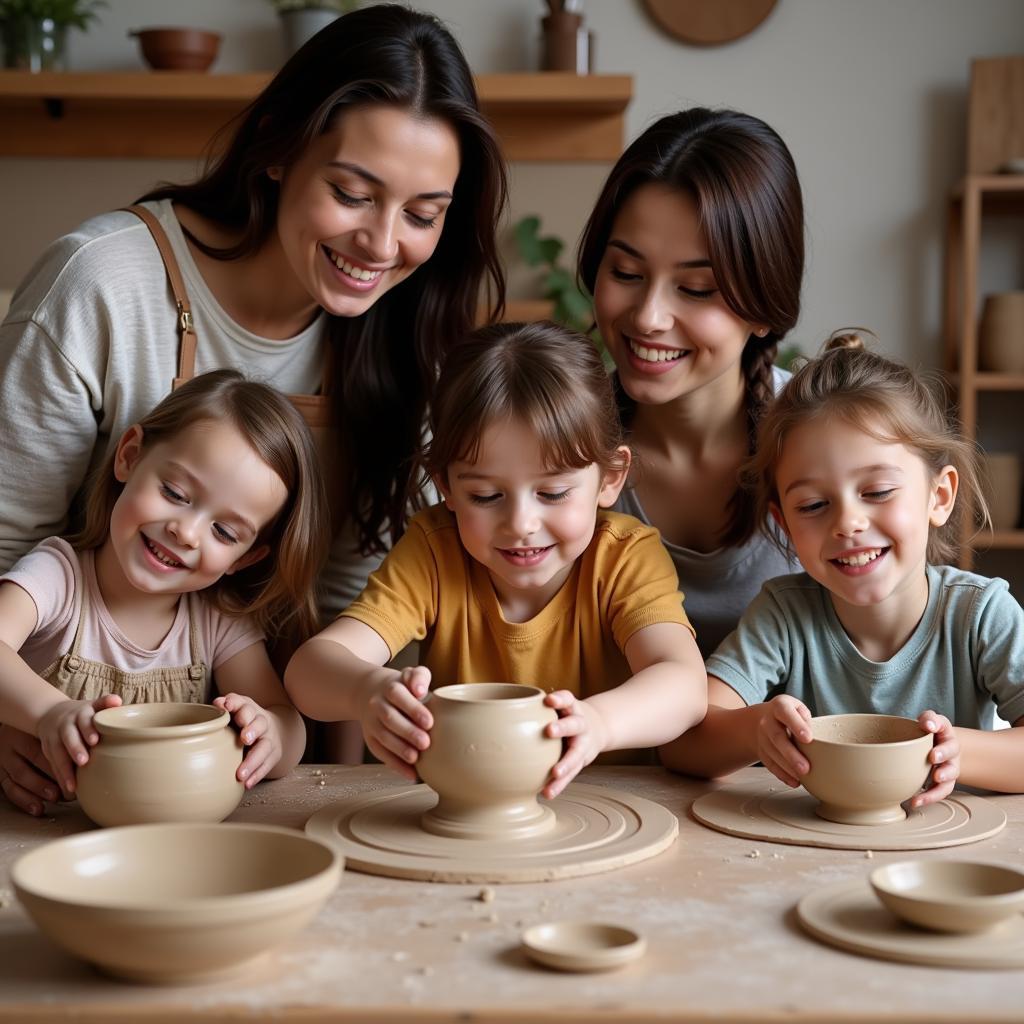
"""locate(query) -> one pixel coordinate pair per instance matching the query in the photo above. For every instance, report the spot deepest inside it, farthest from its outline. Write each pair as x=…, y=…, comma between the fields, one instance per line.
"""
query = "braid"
x=758, y=358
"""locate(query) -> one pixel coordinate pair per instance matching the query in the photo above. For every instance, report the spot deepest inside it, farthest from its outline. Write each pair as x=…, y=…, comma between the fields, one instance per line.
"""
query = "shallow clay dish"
x=176, y=904
x=161, y=762
x=951, y=895
x=178, y=49
x=582, y=945
x=864, y=766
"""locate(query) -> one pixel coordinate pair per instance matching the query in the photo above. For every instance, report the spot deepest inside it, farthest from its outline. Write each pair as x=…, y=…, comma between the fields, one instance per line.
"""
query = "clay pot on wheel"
x=161, y=762
x=487, y=760
x=864, y=766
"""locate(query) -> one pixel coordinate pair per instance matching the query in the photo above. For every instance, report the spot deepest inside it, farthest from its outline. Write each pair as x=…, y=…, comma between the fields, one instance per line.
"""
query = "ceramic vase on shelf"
x=565, y=45
x=1001, y=484
x=301, y=24
x=33, y=44
x=1001, y=333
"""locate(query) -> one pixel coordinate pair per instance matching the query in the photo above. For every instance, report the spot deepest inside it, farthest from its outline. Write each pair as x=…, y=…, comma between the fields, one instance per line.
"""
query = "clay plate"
x=582, y=945
x=176, y=903
x=596, y=829
x=765, y=809
x=950, y=895
x=847, y=915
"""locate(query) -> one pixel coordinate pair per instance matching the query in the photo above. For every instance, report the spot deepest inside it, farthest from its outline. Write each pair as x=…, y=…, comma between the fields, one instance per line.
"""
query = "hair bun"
x=848, y=337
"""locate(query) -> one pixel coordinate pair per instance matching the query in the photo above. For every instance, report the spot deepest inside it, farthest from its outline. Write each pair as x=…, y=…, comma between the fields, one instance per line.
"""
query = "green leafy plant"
x=73, y=13
x=787, y=357
x=572, y=305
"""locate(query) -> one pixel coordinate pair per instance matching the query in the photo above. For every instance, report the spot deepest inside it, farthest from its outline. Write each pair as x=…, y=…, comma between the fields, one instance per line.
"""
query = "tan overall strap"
x=186, y=331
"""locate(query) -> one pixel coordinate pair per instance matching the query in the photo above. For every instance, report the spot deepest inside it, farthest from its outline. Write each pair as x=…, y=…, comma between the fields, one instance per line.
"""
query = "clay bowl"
x=176, y=904
x=950, y=895
x=864, y=766
x=177, y=49
x=161, y=762
x=582, y=945
x=487, y=760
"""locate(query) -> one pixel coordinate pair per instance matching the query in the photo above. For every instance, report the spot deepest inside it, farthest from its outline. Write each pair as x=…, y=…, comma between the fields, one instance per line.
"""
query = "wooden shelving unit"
x=976, y=194
x=543, y=116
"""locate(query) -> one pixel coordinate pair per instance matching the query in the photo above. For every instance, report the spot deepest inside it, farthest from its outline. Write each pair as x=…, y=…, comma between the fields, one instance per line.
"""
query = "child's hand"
x=783, y=718
x=585, y=729
x=395, y=722
x=944, y=755
x=66, y=731
x=259, y=732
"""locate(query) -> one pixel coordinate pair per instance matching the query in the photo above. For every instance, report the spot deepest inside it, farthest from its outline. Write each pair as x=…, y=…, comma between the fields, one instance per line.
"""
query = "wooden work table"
x=723, y=942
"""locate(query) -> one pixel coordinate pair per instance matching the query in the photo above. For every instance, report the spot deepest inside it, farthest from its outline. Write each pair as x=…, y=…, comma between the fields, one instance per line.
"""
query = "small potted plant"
x=302, y=19
x=34, y=31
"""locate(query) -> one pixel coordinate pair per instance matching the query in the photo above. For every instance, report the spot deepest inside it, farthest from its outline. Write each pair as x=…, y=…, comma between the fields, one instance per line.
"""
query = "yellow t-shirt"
x=430, y=589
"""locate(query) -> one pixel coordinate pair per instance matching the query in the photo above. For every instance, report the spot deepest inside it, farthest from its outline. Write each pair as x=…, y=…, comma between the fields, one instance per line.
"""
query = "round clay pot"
x=864, y=766
x=1001, y=333
x=161, y=762
x=1001, y=484
x=487, y=760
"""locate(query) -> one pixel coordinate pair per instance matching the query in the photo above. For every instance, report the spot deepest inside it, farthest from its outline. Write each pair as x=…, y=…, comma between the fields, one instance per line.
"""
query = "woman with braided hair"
x=694, y=254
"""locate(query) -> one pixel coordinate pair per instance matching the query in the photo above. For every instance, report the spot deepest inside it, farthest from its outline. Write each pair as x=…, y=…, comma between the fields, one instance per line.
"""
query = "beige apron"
x=315, y=409
x=81, y=679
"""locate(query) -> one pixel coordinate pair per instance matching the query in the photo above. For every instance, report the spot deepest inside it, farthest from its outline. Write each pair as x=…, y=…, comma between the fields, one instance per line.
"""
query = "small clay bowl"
x=178, y=49
x=176, y=904
x=582, y=945
x=864, y=766
x=950, y=895
x=161, y=762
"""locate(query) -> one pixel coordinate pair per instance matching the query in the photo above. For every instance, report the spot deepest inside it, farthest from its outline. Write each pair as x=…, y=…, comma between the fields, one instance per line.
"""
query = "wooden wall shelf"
x=975, y=196
x=542, y=116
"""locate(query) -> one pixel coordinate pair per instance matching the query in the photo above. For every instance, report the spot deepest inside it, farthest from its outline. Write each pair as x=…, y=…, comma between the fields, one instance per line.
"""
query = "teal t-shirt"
x=965, y=659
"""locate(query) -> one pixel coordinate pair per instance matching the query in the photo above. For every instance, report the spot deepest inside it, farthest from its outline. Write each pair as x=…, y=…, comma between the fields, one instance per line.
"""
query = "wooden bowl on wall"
x=178, y=49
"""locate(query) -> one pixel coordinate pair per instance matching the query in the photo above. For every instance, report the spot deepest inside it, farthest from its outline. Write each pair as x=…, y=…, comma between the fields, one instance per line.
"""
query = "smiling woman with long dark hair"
x=344, y=234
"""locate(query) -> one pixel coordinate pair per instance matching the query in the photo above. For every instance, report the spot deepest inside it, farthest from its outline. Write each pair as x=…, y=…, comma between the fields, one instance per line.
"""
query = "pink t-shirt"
x=52, y=574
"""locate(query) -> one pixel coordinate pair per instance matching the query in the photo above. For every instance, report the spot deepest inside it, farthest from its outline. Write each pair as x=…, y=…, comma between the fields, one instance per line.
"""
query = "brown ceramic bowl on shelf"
x=177, y=49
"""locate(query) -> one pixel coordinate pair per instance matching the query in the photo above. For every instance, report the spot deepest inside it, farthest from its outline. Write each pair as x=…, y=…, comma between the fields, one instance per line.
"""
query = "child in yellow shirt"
x=521, y=575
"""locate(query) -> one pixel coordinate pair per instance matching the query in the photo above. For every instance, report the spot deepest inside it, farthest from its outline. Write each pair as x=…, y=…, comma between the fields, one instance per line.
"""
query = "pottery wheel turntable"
x=849, y=916
x=596, y=829
x=769, y=812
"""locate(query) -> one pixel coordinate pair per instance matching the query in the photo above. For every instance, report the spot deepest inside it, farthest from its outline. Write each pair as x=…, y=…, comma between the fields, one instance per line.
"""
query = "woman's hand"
x=24, y=771
x=782, y=719
x=944, y=757
x=395, y=722
x=259, y=732
x=66, y=732
x=584, y=729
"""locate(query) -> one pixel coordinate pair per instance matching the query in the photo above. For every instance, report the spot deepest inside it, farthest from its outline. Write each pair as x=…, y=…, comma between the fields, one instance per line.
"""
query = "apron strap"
x=197, y=670
x=73, y=658
x=186, y=330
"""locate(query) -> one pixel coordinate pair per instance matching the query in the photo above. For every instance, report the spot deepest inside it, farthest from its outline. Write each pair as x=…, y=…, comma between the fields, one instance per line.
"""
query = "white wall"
x=869, y=94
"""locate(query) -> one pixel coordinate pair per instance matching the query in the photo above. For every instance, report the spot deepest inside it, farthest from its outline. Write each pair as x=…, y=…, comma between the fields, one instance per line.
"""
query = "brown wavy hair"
x=279, y=591
x=543, y=375
x=741, y=176
x=890, y=402
x=385, y=361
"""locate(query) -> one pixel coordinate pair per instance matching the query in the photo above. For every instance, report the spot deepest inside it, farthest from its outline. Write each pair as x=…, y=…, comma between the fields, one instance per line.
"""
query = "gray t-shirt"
x=718, y=585
x=964, y=660
x=90, y=345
